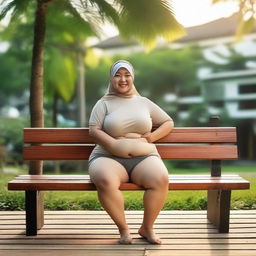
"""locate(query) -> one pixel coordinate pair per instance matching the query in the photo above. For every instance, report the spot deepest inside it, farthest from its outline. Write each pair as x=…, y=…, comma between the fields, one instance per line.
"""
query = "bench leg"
x=34, y=212
x=219, y=209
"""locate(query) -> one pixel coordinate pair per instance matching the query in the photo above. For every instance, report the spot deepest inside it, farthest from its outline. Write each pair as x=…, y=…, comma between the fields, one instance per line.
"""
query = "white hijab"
x=114, y=68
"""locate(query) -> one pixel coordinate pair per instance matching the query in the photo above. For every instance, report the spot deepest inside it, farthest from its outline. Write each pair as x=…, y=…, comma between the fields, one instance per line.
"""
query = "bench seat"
x=83, y=182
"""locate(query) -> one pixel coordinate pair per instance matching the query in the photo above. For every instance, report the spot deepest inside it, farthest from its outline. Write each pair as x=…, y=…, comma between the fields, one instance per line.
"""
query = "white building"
x=236, y=91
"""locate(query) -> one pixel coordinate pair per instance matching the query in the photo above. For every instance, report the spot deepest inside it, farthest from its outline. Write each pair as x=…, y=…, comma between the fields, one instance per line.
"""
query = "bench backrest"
x=208, y=143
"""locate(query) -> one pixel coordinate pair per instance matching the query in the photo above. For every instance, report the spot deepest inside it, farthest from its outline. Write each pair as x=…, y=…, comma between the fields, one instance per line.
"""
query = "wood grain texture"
x=80, y=182
x=182, y=232
x=178, y=152
x=178, y=135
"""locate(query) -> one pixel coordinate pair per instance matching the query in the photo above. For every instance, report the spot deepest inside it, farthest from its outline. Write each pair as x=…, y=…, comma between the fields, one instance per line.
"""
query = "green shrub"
x=11, y=201
x=11, y=137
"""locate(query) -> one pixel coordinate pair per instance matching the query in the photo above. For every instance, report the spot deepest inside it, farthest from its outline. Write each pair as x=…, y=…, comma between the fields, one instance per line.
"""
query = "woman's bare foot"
x=149, y=235
x=125, y=237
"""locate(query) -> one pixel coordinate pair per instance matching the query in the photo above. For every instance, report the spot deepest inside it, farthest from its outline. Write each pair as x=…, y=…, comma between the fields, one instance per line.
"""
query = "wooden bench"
x=214, y=144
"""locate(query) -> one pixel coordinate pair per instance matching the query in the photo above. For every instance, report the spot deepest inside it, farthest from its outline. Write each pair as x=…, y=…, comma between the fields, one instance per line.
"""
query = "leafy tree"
x=15, y=61
x=64, y=34
x=97, y=77
x=167, y=71
x=13, y=73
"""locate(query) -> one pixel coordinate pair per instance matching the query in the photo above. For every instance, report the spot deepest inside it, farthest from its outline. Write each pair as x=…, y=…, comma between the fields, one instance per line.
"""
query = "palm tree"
x=157, y=19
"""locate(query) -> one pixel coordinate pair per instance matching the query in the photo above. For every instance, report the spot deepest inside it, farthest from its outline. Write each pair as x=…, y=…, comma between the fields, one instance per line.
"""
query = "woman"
x=121, y=124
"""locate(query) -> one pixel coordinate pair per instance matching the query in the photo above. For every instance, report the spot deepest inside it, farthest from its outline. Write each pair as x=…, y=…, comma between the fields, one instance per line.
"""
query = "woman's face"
x=122, y=82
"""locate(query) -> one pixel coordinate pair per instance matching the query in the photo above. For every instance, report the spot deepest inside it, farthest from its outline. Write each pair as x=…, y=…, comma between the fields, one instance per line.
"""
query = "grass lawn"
x=185, y=200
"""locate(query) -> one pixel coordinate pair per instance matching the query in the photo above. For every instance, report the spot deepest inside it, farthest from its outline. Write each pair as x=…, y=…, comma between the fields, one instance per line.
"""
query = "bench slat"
x=176, y=182
x=86, y=177
x=178, y=135
x=186, y=152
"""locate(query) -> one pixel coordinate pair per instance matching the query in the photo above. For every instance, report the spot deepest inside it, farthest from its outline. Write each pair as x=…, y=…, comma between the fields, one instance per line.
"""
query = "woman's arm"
x=163, y=130
x=102, y=138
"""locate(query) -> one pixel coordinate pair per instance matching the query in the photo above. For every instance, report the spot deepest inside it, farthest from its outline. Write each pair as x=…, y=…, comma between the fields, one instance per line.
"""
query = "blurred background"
x=208, y=70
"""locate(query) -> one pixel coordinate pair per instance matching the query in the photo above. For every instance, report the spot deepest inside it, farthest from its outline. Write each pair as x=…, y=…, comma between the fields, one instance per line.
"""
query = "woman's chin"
x=124, y=90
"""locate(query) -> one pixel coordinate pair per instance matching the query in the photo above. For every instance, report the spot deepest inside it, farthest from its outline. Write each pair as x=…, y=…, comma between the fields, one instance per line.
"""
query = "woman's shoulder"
x=144, y=99
x=140, y=97
x=100, y=104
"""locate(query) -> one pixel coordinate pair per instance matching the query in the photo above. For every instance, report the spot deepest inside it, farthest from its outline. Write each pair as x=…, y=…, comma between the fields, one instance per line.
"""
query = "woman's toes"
x=125, y=237
x=150, y=236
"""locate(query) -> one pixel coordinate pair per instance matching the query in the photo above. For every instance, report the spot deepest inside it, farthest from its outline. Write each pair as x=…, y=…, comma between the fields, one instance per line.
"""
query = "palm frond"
x=20, y=21
x=245, y=27
x=96, y=12
x=16, y=6
x=222, y=1
x=246, y=19
x=5, y=7
x=219, y=1
x=147, y=19
x=67, y=21
x=60, y=74
x=107, y=12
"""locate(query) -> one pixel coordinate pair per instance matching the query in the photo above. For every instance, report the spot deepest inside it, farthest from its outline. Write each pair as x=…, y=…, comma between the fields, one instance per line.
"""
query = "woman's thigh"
x=105, y=171
x=150, y=172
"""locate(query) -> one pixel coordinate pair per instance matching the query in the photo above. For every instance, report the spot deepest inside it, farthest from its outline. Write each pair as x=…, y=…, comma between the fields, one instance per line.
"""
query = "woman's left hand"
x=147, y=136
x=159, y=133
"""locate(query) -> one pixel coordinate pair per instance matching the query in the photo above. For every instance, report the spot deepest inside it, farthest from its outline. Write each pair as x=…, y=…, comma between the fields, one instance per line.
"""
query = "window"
x=247, y=104
x=247, y=88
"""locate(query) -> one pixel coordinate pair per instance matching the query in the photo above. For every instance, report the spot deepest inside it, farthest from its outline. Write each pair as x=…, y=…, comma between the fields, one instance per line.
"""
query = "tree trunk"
x=55, y=124
x=81, y=90
x=81, y=97
x=37, y=72
x=55, y=110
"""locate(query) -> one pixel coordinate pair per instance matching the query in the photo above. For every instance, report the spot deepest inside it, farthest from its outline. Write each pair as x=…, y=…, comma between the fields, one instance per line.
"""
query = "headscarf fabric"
x=121, y=64
x=114, y=68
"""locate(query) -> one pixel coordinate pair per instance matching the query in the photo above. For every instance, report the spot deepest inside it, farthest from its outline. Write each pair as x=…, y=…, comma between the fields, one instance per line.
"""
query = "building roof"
x=224, y=27
x=215, y=29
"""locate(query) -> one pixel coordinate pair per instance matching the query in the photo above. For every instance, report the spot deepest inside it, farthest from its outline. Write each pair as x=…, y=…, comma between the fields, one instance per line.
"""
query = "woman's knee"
x=104, y=179
x=161, y=180
x=104, y=183
x=107, y=174
x=151, y=173
x=153, y=180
